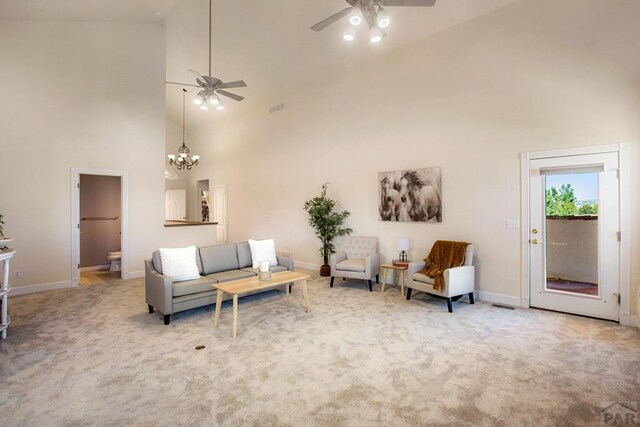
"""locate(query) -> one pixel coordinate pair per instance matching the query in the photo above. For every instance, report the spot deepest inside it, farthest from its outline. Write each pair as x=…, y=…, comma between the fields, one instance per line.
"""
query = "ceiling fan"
x=371, y=12
x=210, y=86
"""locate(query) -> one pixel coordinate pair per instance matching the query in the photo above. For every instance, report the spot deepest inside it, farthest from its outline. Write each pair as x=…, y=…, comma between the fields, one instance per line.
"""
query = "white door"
x=219, y=211
x=574, y=253
x=176, y=204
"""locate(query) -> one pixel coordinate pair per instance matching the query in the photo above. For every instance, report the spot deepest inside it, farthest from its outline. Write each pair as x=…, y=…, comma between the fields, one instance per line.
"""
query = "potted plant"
x=3, y=239
x=327, y=224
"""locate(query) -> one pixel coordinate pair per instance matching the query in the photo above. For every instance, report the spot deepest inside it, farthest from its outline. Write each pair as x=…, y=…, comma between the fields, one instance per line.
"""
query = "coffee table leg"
x=384, y=279
x=235, y=315
x=286, y=292
x=305, y=291
x=401, y=272
x=216, y=316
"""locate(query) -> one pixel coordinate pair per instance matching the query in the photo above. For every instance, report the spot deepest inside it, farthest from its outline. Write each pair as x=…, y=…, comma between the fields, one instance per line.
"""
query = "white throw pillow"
x=180, y=263
x=263, y=250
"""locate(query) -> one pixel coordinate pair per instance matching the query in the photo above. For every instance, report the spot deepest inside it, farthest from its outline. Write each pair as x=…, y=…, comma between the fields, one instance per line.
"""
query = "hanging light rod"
x=183, y=160
x=210, y=86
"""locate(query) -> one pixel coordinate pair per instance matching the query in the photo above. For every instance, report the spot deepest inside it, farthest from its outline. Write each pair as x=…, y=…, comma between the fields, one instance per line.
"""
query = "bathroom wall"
x=99, y=197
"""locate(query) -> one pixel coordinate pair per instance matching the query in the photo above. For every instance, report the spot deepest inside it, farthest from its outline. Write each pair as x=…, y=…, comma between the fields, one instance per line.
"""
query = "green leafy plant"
x=563, y=202
x=326, y=222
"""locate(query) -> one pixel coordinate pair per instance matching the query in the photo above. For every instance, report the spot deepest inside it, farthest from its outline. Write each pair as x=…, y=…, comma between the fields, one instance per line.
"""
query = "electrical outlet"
x=17, y=274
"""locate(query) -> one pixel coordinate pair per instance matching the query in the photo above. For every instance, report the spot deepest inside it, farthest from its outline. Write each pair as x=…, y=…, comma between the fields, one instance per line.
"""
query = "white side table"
x=5, y=257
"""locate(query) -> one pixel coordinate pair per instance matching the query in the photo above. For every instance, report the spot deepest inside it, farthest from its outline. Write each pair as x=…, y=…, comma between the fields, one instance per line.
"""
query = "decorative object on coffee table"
x=327, y=224
x=410, y=195
x=265, y=273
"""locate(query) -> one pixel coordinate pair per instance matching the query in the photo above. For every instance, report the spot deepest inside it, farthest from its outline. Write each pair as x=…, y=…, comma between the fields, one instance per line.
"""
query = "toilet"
x=114, y=257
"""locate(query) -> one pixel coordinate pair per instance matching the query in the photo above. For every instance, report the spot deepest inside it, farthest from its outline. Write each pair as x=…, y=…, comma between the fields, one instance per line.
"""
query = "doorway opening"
x=99, y=226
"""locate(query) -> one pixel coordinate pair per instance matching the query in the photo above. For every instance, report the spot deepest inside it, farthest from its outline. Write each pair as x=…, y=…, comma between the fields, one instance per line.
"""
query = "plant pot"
x=325, y=270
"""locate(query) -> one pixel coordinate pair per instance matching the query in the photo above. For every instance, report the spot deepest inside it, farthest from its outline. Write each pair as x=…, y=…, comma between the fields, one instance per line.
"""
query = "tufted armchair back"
x=360, y=247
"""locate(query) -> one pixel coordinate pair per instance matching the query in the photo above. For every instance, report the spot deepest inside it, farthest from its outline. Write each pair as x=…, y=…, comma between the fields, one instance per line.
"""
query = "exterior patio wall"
x=572, y=249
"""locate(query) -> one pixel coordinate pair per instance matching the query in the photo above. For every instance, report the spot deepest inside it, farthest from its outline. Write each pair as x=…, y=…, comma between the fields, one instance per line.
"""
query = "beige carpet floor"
x=94, y=356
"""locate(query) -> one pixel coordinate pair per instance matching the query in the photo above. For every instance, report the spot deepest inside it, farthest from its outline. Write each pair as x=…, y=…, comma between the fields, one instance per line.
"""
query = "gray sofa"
x=217, y=263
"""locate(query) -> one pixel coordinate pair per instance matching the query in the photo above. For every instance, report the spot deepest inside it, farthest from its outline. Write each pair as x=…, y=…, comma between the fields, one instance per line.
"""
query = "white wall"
x=86, y=95
x=533, y=76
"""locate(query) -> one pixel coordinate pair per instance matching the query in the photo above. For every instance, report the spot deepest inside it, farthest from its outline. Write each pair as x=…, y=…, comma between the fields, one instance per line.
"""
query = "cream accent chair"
x=458, y=281
x=359, y=259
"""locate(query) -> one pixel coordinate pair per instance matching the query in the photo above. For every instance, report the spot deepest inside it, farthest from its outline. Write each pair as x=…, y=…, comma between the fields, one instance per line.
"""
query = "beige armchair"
x=358, y=259
x=458, y=281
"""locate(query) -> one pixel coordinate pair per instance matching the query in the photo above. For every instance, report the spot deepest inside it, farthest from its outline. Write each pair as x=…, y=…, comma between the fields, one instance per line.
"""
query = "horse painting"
x=411, y=195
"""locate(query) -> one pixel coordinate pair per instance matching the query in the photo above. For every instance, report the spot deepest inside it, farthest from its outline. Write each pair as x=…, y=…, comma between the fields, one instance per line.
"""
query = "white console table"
x=5, y=257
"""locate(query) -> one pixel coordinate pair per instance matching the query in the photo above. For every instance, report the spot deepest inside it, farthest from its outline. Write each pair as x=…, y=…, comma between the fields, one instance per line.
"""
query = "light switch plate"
x=512, y=223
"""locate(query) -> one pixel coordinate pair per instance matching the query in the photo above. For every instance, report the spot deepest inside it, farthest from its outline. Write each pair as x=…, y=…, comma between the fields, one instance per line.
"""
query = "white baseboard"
x=41, y=287
x=306, y=265
x=133, y=274
x=498, y=298
x=96, y=267
x=630, y=320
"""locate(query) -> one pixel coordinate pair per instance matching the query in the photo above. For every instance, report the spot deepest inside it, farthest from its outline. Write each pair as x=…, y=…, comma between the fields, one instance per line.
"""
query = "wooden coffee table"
x=251, y=284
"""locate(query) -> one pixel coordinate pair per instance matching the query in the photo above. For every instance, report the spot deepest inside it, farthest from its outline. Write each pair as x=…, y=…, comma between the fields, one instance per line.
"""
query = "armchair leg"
x=450, y=305
x=377, y=279
x=331, y=284
x=290, y=287
x=344, y=278
x=471, y=301
x=167, y=319
x=150, y=308
x=370, y=286
x=409, y=293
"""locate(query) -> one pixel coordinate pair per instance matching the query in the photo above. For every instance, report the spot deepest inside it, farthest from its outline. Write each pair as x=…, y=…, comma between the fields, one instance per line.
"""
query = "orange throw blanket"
x=444, y=254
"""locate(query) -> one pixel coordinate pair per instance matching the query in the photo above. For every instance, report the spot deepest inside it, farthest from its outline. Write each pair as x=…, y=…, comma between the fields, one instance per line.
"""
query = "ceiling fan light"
x=198, y=99
x=383, y=19
x=220, y=107
x=356, y=16
x=213, y=99
x=349, y=34
x=204, y=106
x=375, y=36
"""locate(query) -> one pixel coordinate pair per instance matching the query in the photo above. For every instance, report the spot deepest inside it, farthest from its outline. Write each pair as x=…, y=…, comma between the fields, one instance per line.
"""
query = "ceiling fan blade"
x=415, y=3
x=229, y=85
x=181, y=84
x=199, y=79
x=330, y=20
x=230, y=95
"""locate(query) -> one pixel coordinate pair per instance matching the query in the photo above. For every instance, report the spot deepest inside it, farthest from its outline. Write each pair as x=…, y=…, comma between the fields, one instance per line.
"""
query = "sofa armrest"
x=414, y=267
x=336, y=258
x=285, y=260
x=158, y=289
x=459, y=280
x=372, y=264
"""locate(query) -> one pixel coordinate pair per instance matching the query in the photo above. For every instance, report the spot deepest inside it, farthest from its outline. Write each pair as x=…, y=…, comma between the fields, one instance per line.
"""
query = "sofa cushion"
x=263, y=250
x=275, y=269
x=157, y=261
x=218, y=258
x=351, y=265
x=180, y=263
x=225, y=276
x=423, y=278
x=244, y=255
x=203, y=284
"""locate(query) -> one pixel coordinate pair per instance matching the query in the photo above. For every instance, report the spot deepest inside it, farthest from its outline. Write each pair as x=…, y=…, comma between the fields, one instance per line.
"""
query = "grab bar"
x=98, y=218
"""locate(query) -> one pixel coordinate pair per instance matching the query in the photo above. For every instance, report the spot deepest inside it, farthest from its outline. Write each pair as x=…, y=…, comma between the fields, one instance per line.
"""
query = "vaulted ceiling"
x=267, y=43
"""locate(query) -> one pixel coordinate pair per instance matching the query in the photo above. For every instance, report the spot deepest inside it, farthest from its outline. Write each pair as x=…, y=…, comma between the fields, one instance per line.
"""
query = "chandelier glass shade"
x=183, y=160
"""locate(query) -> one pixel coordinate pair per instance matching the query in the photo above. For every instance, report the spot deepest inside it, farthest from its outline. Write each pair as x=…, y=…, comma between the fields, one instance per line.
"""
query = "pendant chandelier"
x=183, y=160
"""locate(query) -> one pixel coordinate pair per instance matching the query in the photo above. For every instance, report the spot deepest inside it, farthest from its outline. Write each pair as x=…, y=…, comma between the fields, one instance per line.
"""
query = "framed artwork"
x=410, y=195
